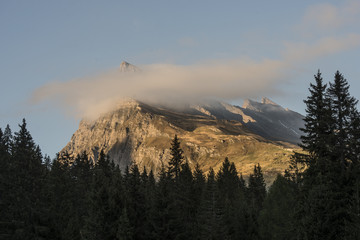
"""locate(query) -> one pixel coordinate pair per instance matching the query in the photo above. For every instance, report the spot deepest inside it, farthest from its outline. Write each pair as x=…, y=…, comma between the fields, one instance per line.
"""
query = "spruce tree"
x=163, y=218
x=125, y=230
x=184, y=204
x=149, y=189
x=176, y=159
x=326, y=190
x=232, y=201
x=211, y=212
x=5, y=184
x=228, y=180
x=60, y=199
x=27, y=181
x=343, y=106
x=135, y=203
x=198, y=194
x=276, y=217
x=257, y=188
x=317, y=120
x=344, y=162
x=256, y=196
x=97, y=224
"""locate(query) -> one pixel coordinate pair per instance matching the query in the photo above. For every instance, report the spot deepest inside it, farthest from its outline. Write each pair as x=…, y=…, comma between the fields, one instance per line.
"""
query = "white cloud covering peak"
x=229, y=79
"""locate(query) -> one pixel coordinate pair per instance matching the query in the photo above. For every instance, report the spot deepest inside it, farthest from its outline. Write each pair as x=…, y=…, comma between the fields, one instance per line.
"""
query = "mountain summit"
x=127, y=67
x=265, y=100
x=141, y=133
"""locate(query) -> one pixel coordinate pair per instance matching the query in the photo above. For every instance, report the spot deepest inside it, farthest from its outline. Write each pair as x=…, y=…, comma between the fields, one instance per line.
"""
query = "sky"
x=59, y=59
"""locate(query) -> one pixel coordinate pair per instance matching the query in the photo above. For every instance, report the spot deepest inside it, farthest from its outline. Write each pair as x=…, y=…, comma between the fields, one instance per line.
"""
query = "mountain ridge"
x=140, y=132
x=137, y=132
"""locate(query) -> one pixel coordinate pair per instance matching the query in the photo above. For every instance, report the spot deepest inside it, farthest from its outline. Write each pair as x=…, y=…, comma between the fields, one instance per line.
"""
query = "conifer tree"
x=228, y=180
x=163, y=218
x=317, y=120
x=257, y=188
x=7, y=140
x=125, y=230
x=97, y=224
x=80, y=180
x=343, y=106
x=27, y=181
x=211, y=213
x=149, y=189
x=256, y=196
x=184, y=205
x=60, y=196
x=276, y=217
x=5, y=183
x=232, y=201
x=198, y=193
x=135, y=203
x=176, y=159
x=117, y=201
x=327, y=185
x=344, y=162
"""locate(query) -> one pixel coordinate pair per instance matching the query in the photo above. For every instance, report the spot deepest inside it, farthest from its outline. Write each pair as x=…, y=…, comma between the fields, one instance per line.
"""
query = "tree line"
x=70, y=198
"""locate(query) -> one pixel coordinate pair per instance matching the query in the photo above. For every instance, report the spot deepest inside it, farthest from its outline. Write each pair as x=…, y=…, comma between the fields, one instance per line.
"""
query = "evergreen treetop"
x=176, y=159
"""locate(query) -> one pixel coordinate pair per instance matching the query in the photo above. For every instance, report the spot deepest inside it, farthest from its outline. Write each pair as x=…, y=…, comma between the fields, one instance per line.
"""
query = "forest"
x=317, y=197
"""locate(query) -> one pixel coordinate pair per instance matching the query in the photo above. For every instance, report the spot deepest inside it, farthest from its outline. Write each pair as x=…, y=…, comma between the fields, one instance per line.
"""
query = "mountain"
x=141, y=133
x=127, y=67
x=264, y=118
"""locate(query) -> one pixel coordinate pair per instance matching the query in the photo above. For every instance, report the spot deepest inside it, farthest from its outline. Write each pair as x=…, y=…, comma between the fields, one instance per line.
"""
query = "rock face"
x=139, y=133
x=266, y=119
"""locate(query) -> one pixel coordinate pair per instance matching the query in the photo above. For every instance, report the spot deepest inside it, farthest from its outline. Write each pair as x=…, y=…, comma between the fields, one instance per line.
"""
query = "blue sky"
x=56, y=43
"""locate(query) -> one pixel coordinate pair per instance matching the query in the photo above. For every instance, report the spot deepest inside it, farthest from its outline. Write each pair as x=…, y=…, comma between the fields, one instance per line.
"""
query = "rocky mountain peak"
x=250, y=104
x=127, y=67
x=265, y=100
x=141, y=133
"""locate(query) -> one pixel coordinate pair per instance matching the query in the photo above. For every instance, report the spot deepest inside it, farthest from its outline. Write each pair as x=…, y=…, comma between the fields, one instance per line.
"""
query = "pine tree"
x=27, y=181
x=135, y=203
x=125, y=230
x=211, y=211
x=117, y=195
x=343, y=105
x=60, y=199
x=163, y=218
x=149, y=189
x=80, y=179
x=354, y=153
x=345, y=142
x=232, y=201
x=276, y=217
x=97, y=224
x=5, y=183
x=176, y=159
x=257, y=188
x=256, y=196
x=317, y=120
x=228, y=180
x=198, y=194
x=326, y=197
x=184, y=205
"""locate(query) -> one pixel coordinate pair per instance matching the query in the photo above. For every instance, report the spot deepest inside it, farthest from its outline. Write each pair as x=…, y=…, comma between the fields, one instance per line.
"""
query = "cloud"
x=90, y=96
x=324, y=17
x=228, y=79
x=300, y=52
x=232, y=79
